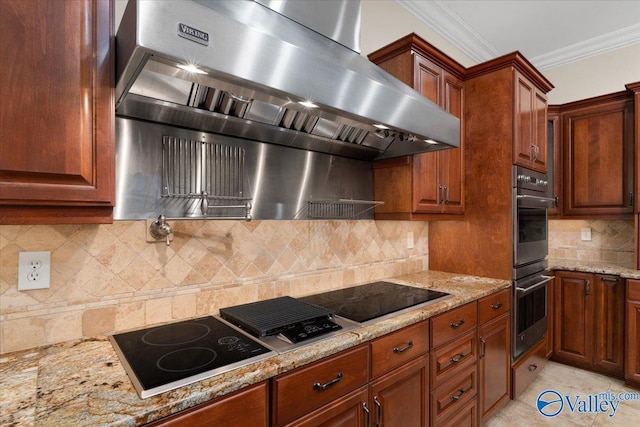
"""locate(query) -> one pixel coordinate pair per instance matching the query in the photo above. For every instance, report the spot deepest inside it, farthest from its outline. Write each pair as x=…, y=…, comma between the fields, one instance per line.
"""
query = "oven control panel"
x=532, y=180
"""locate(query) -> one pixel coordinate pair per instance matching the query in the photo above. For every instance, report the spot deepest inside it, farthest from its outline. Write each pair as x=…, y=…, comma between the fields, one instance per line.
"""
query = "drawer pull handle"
x=458, y=394
x=457, y=324
x=457, y=358
x=367, y=414
x=496, y=306
x=533, y=367
x=378, y=411
x=403, y=349
x=484, y=347
x=320, y=387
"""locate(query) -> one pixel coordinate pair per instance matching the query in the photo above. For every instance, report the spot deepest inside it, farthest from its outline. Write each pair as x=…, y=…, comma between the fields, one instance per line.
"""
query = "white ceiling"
x=550, y=33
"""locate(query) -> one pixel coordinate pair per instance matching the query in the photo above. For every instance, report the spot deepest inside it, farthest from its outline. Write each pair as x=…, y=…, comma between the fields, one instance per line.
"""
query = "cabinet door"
x=632, y=356
x=530, y=125
x=494, y=365
x=58, y=127
x=400, y=398
x=348, y=411
x=524, y=137
x=247, y=407
x=539, y=160
x=438, y=177
x=609, y=294
x=574, y=318
x=598, y=160
x=451, y=162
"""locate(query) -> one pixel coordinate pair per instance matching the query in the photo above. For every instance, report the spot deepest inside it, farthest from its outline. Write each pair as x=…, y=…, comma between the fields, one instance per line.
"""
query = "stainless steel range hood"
x=243, y=69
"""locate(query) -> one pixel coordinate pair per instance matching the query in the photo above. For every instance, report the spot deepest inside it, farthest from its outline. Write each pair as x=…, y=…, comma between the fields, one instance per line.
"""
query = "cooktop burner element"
x=166, y=357
x=373, y=300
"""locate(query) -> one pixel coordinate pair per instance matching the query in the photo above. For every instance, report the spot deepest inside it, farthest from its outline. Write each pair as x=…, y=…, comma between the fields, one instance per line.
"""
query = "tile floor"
x=575, y=383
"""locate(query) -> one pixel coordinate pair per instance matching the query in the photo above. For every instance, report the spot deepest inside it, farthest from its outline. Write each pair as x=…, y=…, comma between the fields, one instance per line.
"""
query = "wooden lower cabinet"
x=494, y=365
x=494, y=353
x=246, y=407
x=589, y=321
x=632, y=353
x=311, y=387
x=400, y=398
x=351, y=410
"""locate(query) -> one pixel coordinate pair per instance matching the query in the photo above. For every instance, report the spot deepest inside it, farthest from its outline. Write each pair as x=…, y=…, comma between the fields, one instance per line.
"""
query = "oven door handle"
x=527, y=197
x=529, y=289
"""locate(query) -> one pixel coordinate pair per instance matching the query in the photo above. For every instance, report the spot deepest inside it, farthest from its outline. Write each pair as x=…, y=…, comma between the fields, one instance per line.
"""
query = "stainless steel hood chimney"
x=244, y=69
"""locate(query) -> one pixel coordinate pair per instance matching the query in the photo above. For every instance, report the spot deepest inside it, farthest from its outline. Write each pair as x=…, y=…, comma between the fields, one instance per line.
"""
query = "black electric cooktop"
x=373, y=300
x=166, y=357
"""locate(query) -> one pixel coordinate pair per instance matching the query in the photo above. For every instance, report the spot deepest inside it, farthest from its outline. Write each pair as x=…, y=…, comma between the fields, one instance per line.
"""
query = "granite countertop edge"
x=598, y=267
x=83, y=383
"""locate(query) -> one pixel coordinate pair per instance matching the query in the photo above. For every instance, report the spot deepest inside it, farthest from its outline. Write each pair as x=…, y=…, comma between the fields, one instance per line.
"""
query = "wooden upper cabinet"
x=418, y=186
x=530, y=125
x=56, y=158
x=598, y=156
x=635, y=89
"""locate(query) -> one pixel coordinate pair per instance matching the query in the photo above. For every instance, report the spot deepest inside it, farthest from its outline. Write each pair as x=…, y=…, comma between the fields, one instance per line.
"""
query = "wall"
x=611, y=241
x=385, y=21
x=598, y=75
x=107, y=278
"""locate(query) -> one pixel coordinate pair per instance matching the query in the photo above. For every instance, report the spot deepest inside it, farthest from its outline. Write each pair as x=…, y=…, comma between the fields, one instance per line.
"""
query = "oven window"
x=532, y=225
x=531, y=309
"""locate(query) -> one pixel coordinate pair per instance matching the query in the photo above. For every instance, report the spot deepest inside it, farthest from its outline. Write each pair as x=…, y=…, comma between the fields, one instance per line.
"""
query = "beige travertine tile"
x=184, y=306
x=219, y=262
x=99, y=321
x=158, y=310
x=23, y=333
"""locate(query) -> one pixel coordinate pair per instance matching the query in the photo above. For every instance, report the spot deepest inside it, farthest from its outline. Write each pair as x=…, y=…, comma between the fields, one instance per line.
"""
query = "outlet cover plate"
x=34, y=270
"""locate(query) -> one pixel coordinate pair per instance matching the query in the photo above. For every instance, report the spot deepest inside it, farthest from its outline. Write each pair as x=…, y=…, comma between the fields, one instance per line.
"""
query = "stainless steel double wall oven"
x=530, y=249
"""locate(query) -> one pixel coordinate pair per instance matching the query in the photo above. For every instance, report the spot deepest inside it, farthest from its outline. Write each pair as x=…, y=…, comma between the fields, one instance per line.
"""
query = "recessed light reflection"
x=308, y=104
x=379, y=126
x=430, y=141
x=191, y=68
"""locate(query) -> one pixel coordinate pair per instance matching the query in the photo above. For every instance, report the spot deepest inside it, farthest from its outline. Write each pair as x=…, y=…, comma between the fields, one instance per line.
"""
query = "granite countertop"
x=82, y=383
x=599, y=267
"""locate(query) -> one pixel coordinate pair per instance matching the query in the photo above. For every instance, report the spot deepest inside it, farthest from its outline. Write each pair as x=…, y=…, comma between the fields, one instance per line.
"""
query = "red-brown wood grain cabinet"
x=494, y=355
x=598, y=158
x=413, y=187
x=246, y=407
x=589, y=321
x=57, y=115
x=632, y=351
x=530, y=125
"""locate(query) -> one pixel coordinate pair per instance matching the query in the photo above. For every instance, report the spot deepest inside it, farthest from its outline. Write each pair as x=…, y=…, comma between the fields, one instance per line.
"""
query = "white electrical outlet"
x=410, y=240
x=34, y=270
x=585, y=234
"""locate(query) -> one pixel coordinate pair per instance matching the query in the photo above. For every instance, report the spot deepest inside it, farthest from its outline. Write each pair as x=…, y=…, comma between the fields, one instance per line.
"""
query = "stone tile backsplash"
x=108, y=278
x=611, y=241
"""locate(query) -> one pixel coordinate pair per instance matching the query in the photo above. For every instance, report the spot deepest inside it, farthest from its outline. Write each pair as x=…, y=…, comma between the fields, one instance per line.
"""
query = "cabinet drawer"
x=450, y=359
x=230, y=410
x=453, y=395
x=494, y=305
x=302, y=390
x=528, y=367
x=452, y=324
x=633, y=290
x=399, y=347
x=464, y=417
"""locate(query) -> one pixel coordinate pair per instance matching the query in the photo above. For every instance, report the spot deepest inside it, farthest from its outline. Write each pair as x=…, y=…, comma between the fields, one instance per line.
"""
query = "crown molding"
x=437, y=16
x=585, y=49
x=451, y=27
